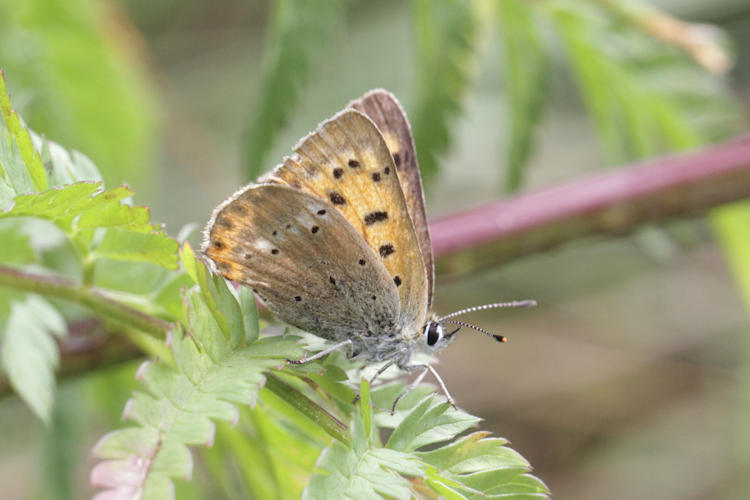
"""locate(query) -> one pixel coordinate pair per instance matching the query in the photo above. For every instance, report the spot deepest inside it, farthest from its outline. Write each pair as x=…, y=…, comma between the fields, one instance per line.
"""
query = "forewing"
x=383, y=108
x=304, y=261
x=346, y=162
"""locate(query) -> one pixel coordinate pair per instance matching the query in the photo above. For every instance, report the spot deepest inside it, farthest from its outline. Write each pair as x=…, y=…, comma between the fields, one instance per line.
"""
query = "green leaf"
x=16, y=246
x=474, y=453
x=373, y=473
x=298, y=29
x=22, y=139
x=480, y=466
x=249, y=312
x=156, y=247
x=81, y=84
x=29, y=353
x=526, y=75
x=429, y=422
x=60, y=205
x=81, y=207
x=178, y=408
x=446, y=33
x=641, y=93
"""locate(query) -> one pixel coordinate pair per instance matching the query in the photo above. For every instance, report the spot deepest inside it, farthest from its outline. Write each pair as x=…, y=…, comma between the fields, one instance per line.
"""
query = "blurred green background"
x=630, y=380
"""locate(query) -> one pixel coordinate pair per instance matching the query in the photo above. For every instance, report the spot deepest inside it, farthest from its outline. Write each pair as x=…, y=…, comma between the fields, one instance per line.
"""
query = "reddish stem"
x=612, y=202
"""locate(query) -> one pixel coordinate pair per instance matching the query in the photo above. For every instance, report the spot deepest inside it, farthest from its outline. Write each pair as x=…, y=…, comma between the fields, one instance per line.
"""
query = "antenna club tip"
x=500, y=338
x=528, y=303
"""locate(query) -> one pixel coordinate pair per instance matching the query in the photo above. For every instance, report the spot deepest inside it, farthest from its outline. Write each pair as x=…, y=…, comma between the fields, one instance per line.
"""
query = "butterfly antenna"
x=495, y=336
x=515, y=303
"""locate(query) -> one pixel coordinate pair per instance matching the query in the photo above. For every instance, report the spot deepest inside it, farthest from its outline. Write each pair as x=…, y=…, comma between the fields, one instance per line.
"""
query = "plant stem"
x=333, y=426
x=613, y=203
x=90, y=297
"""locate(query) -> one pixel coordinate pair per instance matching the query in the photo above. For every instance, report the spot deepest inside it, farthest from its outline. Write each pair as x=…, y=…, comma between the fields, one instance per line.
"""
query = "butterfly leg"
x=377, y=374
x=410, y=387
x=425, y=368
x=320, y=354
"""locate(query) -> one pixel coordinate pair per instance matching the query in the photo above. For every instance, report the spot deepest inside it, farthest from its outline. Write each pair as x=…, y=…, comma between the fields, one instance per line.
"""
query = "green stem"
x=330, y=424
x=90, y=297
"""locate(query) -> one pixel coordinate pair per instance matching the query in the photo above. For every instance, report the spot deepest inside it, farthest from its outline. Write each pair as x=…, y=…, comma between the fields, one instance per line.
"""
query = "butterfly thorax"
x=430, y=339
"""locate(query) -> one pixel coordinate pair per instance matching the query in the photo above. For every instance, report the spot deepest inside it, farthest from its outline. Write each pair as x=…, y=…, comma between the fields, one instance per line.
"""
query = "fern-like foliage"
x=473, y=466
x=297, y=29
x=96, y=224
x=646, y=97
x=445, y=33
x=526, y=68
x=217, y=366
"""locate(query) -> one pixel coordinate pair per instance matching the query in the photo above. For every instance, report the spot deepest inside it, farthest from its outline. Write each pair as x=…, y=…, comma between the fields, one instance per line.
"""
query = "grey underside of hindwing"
x=308, y=265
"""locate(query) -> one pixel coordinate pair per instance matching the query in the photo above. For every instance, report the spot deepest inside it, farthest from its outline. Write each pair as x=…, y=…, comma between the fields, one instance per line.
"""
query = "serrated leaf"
x=429, y=422
x=372, y=473
x=169, y=297
x=191, y=264
x=504, y=483
x=640, y=91
x=83, y=205
x=156, y=247
x=475, y=453
x=446, y=34
x=205, y=328
x=526, y=73
x=29, y=353
x=182, y=404
x=15, y=172
x=297, y=31
x=22, y=139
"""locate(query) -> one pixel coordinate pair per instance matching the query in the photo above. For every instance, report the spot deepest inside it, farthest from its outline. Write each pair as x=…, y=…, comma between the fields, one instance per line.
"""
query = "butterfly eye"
x=433, y=333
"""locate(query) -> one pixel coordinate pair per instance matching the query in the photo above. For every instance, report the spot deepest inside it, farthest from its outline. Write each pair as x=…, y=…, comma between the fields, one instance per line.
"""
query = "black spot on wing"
x=374, y=217
x=321, y=211
x=396, y=159
x=386, y=250
x=353, y=163
x=338, y=172
x=275, y=251
x=314, y=229
x=397, y=280
x=376, y=176
x=336, y=198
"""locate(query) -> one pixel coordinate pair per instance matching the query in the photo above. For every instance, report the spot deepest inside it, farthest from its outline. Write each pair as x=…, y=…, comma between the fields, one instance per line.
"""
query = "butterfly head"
x=435, y=336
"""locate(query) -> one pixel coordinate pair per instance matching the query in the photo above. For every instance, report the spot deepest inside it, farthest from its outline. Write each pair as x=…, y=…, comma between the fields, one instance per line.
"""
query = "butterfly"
x=335, y=241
